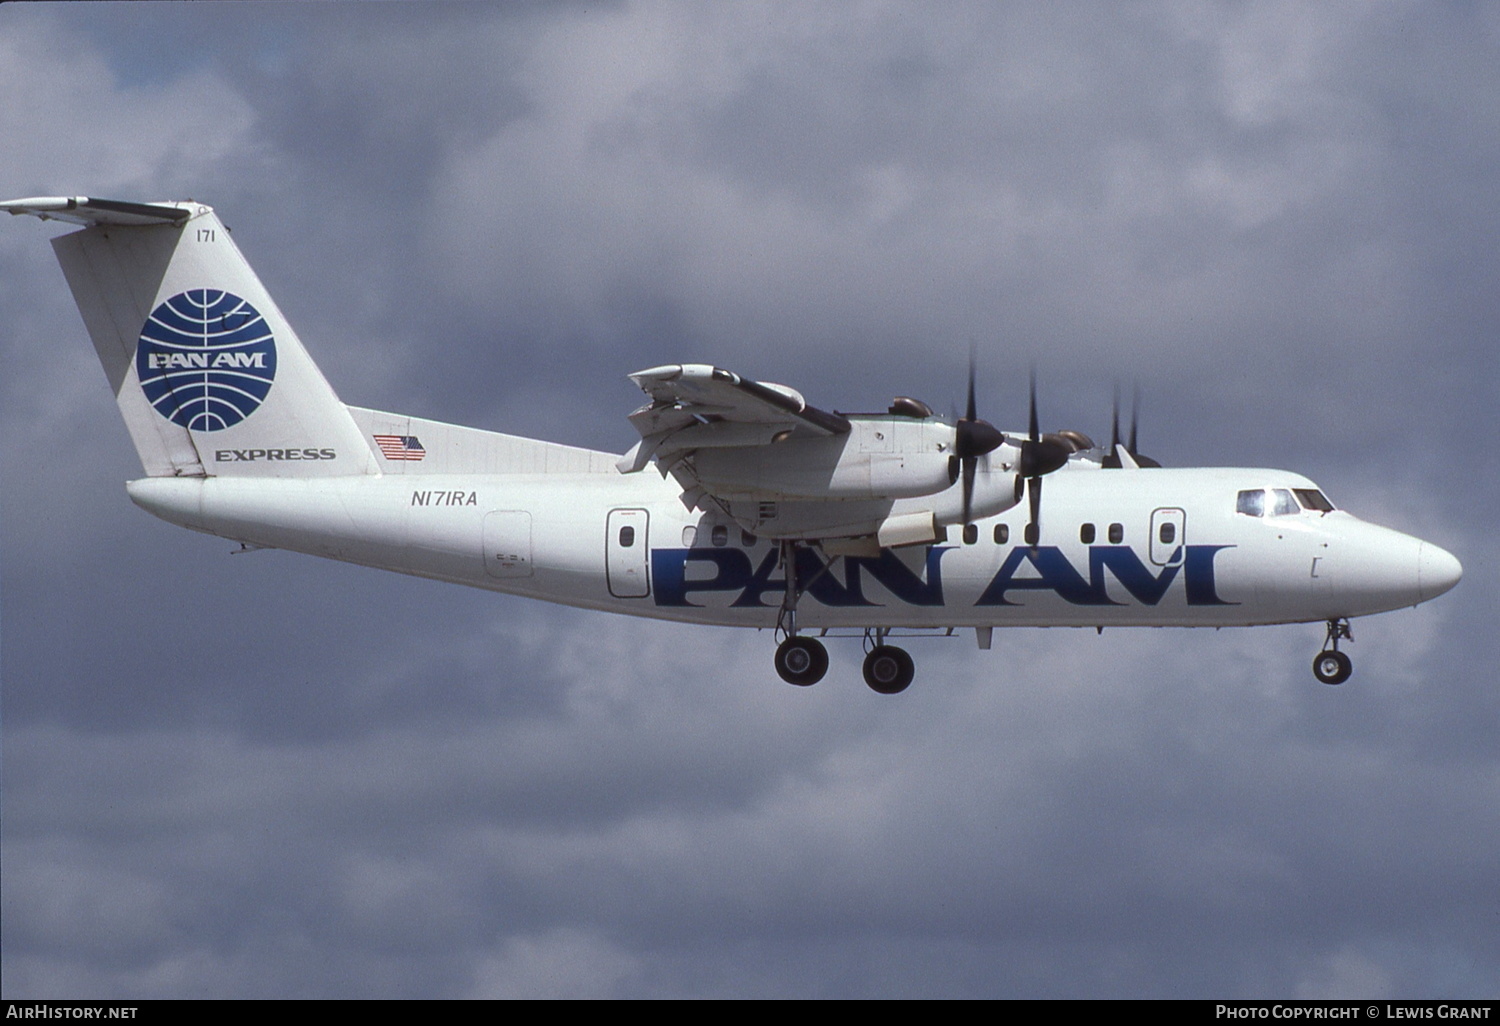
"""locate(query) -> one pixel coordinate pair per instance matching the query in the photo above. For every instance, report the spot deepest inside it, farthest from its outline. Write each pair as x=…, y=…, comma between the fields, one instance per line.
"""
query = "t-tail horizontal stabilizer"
x=210, y=377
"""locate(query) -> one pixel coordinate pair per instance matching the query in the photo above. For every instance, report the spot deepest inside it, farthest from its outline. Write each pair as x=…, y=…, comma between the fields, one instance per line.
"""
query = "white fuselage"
x=1167, y=548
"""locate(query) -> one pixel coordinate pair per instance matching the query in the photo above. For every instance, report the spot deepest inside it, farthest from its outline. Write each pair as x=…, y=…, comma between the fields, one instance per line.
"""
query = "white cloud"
x=81, y=131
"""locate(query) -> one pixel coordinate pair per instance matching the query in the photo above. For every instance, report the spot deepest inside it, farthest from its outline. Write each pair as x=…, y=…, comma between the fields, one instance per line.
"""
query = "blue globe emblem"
x=206, y=359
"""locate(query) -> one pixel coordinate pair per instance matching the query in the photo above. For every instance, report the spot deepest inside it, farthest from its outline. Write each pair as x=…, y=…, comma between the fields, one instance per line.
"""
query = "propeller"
x=1112, y=459
x=1040, y=454
x=973, y=438
x=1135, y=412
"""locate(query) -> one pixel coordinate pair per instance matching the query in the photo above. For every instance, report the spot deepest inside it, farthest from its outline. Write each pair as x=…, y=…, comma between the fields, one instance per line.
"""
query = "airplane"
x=740, y=505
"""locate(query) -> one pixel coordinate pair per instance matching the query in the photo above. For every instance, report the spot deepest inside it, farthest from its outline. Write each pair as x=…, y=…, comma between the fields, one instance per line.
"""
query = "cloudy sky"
x=267, y=775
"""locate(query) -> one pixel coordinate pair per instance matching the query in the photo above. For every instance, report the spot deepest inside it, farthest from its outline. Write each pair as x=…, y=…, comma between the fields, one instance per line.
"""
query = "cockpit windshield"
x=1313, y=499
x=1278, y=502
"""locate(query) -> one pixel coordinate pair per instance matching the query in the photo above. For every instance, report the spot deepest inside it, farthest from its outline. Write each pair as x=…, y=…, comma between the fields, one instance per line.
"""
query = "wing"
x=695, y=406
x=783, y=469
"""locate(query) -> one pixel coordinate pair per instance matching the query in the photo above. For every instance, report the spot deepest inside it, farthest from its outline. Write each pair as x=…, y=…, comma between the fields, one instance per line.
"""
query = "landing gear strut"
x=1332, y=666
x=800, y=661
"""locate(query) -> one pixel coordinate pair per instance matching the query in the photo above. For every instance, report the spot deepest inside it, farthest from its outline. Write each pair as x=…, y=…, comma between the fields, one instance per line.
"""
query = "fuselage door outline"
x=1168, y=536
x=627, y=553
x=507, y=543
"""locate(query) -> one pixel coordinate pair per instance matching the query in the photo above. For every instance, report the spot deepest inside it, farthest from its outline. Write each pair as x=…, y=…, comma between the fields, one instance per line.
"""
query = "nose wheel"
x=1330, y=665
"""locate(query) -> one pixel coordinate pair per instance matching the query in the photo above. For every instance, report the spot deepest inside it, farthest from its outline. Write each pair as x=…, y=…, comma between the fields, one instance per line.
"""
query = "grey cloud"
x=263, y=775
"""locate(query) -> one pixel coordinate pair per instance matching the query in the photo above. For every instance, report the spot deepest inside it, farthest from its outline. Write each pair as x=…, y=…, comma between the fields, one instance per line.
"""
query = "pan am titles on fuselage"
x=741, y=504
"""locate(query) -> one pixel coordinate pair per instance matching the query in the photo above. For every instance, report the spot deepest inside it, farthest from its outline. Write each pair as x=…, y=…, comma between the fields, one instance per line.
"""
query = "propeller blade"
x=969, y=410
x=972, y=438
x=1135, y=413
x=1111, y=459
x=1114, y=423
x=1034, y=529
x=1033, y=432
x=1041, y=455
x=970, y=466
x=1135, y=410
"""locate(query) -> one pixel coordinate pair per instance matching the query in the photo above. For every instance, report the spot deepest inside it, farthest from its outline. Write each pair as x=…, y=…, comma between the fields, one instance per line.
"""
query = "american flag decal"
x=400, y=447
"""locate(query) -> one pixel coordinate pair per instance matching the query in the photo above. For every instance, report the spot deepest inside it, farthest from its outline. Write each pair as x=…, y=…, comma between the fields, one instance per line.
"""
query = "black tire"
x=889, y=670
x=1332, y=667
x=801, y=661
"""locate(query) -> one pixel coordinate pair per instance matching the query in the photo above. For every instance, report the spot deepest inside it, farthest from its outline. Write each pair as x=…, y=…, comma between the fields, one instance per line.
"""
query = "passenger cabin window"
x=747, y=539
x=689, y=536
x=1086, y=534
x=1031, y=534
x=627, y=536
x=1002, y=534
x=719, y=536
x=971, y=533
x=1116, y=533
x=1167, y=533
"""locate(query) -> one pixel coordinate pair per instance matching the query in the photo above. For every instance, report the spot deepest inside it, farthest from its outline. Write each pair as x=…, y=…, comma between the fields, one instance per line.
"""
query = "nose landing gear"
x=1330, y=665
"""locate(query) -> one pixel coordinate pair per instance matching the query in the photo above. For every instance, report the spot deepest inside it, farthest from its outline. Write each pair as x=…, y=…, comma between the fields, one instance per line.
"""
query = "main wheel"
x=1332, y=667
x=888, y=669
x=801, y=661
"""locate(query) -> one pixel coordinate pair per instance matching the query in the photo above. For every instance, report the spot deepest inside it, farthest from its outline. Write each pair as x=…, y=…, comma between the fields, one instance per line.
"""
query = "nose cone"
x=1372, y=569
x=1437, y=571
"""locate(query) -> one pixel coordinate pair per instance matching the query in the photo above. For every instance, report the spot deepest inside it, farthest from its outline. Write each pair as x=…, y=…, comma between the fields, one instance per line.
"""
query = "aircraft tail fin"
x=209, y=376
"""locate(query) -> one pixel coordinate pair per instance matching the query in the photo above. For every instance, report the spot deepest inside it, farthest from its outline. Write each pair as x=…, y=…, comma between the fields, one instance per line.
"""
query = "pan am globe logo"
x=206, y=359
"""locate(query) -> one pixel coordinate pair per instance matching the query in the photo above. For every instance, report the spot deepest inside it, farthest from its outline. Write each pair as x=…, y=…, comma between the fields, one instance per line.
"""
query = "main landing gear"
x=800, y=661
x=1332, y=666
x=803, y=661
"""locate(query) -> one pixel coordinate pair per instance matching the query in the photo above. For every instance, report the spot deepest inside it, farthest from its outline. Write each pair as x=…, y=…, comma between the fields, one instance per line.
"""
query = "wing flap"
x=682, y=394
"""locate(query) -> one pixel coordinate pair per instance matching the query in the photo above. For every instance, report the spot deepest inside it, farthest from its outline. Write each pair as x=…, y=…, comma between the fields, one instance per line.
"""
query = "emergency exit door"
x=1167, y=542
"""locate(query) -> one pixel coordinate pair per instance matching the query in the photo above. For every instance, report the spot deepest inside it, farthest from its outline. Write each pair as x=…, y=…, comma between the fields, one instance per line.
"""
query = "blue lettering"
x=1055, y=573
x=669, y=573
x=1201, y=590
x=1127, y=568
x=762, y=586
x=820, y=585
x=898, y=578
x=732, y=572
